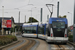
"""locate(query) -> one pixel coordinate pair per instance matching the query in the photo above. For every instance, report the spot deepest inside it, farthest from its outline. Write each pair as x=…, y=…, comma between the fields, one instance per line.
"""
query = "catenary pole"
x=41, y=15
x=25, y=18
x=19, y=21
x=58, y=9
x=74, y=24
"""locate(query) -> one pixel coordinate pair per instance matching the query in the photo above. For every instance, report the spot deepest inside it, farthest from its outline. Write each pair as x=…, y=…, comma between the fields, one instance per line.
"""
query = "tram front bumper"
x=57, y=39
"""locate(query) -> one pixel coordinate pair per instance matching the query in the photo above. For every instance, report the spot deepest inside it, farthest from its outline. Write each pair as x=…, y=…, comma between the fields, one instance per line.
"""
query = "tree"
x=31, y=19
x=62, y=16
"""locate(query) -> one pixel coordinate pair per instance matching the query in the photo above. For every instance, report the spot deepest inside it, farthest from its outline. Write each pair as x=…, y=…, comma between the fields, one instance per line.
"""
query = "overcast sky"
x=12, y=8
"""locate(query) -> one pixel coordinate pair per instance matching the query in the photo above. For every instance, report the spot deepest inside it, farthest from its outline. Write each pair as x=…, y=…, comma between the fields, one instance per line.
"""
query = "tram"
x=57, y=30
x=30, y=30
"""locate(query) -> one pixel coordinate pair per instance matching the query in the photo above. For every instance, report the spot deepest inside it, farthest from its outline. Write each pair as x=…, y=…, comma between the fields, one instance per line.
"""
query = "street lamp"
x=71, y=17
x=2, y=19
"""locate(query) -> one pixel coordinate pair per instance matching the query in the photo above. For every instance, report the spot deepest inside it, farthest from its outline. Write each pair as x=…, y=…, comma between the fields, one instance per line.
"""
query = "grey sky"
x=22, y=5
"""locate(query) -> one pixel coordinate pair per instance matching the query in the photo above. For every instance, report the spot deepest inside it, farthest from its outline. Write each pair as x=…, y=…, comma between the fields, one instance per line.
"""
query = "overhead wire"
x=51, y=1
x=24, y=5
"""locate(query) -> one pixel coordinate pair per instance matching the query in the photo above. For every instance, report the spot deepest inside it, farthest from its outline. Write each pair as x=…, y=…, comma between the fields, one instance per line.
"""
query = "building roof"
x=19, y=24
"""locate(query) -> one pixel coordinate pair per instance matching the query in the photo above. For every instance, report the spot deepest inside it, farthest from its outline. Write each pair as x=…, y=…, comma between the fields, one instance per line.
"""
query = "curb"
x=8, y=45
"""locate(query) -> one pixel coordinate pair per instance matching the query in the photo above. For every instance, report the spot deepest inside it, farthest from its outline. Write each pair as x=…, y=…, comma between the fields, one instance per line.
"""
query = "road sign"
x=71, y=27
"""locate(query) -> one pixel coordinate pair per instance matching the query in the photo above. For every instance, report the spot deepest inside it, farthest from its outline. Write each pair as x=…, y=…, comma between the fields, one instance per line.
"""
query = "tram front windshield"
x=58, y=24
x=58, y=29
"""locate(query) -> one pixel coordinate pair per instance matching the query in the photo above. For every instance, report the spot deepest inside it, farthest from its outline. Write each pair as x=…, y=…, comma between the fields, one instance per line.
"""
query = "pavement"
x=43, y=45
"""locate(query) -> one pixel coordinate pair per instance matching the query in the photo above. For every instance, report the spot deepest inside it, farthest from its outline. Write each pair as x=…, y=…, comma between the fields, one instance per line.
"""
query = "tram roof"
x=58, y=19
x=30, y=24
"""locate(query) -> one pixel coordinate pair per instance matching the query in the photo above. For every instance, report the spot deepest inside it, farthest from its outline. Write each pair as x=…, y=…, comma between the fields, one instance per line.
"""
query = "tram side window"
x=33, y=29
x=26, y=30
x=29, y=30
x=41, y=30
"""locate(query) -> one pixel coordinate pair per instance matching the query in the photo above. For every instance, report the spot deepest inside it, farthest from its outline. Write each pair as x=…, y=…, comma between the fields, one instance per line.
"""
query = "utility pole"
x=47, y=18
x=74, y=24
x=41, y=15
x=25, y=18
x=58, y=9
x=19, y=21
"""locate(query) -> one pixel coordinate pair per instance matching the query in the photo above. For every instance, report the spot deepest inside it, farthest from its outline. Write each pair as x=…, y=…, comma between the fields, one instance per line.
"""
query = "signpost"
x=71, y=27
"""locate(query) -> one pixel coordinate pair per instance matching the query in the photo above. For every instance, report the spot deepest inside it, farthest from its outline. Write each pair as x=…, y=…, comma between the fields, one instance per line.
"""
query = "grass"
x=6, y=39
x=71, y=38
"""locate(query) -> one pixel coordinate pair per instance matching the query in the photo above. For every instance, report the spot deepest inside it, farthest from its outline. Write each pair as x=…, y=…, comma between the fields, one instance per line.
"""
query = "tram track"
x=37, y=44
x=60, y=47
x=28, y=45
x=25, y=44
